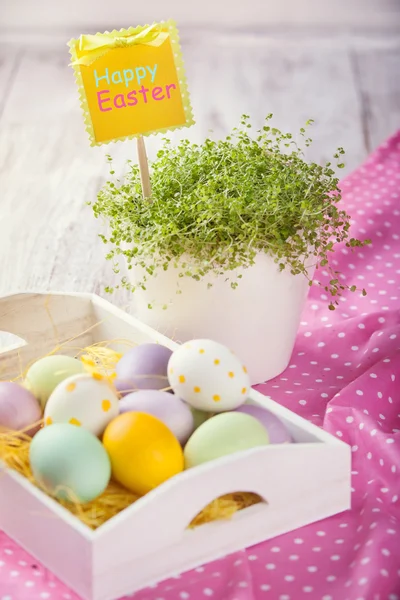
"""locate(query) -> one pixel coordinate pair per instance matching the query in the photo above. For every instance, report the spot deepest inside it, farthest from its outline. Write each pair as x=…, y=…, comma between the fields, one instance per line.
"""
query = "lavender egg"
x=278, y=434
x=167, y=407
x=18, y=408
x=143, y=367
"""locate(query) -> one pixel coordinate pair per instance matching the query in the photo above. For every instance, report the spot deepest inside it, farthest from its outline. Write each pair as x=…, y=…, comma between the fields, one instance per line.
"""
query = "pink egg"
x=143, y=367
x=278, y=434
x=18, y=407
x=167, y=407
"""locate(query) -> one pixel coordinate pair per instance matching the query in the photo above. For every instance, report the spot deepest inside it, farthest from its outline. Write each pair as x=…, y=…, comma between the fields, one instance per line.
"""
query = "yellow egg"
x=143, y=451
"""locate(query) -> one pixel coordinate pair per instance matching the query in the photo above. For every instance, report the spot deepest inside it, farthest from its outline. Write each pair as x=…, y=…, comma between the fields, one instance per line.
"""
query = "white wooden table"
x=48, y=236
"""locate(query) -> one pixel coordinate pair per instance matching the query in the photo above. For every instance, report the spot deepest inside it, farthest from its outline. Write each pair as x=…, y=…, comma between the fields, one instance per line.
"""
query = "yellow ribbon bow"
x=95, y=46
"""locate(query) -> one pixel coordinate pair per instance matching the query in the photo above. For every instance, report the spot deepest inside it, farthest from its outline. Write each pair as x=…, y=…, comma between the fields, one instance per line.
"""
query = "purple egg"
x=167, y=407
x=18, y=407
x=278, y=434
x=143, y=367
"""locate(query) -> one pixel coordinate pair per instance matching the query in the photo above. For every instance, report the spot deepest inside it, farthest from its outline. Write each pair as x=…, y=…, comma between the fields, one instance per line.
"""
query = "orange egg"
x=143, y=451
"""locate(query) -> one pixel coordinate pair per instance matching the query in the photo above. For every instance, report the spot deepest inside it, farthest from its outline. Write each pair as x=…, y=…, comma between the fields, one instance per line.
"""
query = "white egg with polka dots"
x=208, y=376
x=83, y=400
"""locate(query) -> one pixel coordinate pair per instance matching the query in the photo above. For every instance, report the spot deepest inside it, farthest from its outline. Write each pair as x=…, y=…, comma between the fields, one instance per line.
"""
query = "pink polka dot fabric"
x=344, y=376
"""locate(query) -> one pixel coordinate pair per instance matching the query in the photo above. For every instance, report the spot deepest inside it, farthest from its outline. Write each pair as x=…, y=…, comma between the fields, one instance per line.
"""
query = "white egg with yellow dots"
x=208, y=376
x=83, y=400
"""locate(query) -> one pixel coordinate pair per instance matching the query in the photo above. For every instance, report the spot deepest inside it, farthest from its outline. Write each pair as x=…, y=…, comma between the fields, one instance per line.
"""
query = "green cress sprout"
x=216, y=205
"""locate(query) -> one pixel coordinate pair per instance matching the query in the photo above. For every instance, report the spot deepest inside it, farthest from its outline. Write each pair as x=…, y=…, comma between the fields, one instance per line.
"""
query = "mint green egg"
x=224, y=434
x=69, y=462
x=46, y=373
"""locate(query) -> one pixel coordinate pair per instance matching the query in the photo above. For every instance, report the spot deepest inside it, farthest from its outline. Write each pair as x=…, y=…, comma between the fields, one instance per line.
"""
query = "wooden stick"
x=144, y=168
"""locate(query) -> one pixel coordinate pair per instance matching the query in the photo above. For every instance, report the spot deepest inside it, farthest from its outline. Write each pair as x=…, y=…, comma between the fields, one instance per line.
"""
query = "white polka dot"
x=316, y=549
x=243, y=584
x=359, y=392
x=308, y=588
x=289, y=578
x=208, y=592
x=29, y=584
x=365, y=560
x=384, y=573
x=312, y=569
x=385, y=552
x=270, y=566
x=308, y=334
x=265, y=587
x=335, y=557
x=275, y=549
x=334, y=355
x=8, y=551
x=184, y=595
x=293, y=557
x=14, y=573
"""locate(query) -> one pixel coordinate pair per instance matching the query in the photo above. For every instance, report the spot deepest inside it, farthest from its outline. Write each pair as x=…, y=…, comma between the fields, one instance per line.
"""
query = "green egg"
x=224, y=434
x=69, y=462
x=45, y=375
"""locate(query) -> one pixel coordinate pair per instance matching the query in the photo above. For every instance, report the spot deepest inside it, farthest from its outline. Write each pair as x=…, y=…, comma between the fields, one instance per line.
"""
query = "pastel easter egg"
x=208, y=376
x=278, y=434
x=18, y=408
x=82, y=400
x=70, y=463
x=170, y=409
x=222, y=435
x=46, y=373
x=143, y=367
x=143, y=451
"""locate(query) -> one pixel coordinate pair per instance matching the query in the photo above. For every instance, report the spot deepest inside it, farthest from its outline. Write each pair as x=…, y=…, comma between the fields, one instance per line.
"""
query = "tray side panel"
x=301, y=484
x=45, y=534
x=45, y=322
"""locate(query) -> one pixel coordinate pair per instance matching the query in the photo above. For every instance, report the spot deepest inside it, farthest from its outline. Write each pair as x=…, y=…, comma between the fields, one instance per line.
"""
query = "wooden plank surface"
x=48, y=172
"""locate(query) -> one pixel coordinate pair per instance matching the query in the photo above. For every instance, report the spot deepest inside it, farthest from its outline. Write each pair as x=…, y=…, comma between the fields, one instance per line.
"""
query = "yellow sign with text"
x=131, y=82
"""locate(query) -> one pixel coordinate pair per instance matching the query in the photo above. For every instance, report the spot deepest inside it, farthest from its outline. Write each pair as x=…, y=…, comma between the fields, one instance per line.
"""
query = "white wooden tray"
x=149, y=541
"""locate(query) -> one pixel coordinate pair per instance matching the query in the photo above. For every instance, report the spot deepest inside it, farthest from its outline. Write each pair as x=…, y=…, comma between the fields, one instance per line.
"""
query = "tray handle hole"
x=10, y=341
x=224, y=507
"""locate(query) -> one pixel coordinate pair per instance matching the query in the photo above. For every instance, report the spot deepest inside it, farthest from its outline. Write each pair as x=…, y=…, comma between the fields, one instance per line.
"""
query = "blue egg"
x=69, y=462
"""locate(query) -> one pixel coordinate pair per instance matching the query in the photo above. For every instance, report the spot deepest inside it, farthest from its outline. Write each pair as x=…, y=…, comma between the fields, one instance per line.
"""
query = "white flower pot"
x=258, y=320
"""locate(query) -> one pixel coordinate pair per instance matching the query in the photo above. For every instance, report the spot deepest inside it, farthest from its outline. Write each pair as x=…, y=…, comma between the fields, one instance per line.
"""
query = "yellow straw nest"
x=100, y=359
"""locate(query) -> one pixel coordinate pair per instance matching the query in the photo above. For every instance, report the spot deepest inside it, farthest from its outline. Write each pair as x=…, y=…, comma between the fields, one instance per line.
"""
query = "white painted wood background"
x=347, y=79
